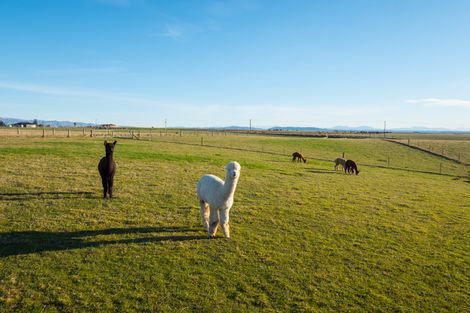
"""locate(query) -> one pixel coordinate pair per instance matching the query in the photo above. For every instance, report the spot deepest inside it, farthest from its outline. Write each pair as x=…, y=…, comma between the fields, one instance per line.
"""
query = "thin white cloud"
x=76, y=93
x=82, y=71
x=441, y=102
x=34, y=88
x=173, y=32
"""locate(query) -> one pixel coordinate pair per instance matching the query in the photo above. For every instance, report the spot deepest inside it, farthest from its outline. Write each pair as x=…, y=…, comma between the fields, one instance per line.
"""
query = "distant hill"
x=9, y=121
x=420, y=129
x=234, y=127
x=356, y=129
x=364, y=128
x=293, y=128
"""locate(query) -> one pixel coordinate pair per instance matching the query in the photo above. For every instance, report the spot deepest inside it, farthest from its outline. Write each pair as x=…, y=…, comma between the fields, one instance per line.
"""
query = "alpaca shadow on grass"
x=26, y=242
x=46, y=195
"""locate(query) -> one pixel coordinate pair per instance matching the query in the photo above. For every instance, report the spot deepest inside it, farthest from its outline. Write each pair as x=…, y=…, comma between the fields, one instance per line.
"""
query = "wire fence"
x=446, y=163
x=447, y=149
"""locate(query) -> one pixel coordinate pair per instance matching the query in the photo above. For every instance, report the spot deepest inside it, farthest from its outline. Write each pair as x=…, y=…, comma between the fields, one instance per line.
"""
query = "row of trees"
x=2, y=123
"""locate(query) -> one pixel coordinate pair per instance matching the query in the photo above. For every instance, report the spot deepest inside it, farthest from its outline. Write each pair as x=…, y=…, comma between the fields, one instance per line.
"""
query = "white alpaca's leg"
x=204, y=214
x=224, y=217
x=213, y=221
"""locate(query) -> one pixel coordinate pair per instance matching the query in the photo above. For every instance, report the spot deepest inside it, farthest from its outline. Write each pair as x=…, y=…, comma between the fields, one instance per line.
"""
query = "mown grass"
x=304, y=238
x=456, y=149
x=368, y=152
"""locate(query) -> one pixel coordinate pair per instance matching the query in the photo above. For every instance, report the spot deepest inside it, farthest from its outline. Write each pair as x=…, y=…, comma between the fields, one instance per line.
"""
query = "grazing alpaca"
x=339, y=161
x=216, y=198
x=298, y=156
x=351, y=167
x=107, y=169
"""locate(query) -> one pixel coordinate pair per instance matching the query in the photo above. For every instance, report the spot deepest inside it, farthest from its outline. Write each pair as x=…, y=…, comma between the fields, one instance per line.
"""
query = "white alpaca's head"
x=233, y=169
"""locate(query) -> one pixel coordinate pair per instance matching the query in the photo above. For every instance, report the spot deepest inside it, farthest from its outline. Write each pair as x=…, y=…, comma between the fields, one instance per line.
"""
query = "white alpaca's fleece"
x=339, y=161
x=216, y=198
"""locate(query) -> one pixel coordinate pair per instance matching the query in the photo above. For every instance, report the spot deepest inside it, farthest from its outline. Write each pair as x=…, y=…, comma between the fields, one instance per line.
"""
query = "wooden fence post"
x=43, y=133
x=343, y=155
x=18, y=131
x=68, y=133
x=53, y=132
x=202, y=141
x=91, y=133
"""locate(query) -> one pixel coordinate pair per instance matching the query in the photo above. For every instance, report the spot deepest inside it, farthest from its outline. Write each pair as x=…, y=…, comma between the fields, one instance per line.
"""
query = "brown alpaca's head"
x=109, y=147
x=305, y=160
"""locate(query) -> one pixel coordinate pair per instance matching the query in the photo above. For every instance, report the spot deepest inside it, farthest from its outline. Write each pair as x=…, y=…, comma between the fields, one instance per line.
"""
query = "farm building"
x=107, y=126
x=25, y=125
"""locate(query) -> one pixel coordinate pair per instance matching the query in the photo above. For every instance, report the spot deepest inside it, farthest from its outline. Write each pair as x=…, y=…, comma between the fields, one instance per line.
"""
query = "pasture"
x=304, y=237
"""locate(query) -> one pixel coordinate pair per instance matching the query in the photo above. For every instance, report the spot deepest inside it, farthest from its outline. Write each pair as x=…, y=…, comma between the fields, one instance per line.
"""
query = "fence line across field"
x=177, y=136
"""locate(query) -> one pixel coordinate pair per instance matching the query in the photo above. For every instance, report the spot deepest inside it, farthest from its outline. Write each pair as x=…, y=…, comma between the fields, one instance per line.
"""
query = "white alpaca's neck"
x=230, y=185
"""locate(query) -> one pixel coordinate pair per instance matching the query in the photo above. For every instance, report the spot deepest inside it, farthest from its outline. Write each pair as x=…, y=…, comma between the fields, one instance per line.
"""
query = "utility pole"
x=250, y=125
x=385, y=127
x=165, y=126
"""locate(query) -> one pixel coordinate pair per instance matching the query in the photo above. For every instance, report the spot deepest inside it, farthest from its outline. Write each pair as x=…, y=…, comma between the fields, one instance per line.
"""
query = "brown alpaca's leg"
x=204, y=214
x=105, y=186
x=213, y=221
x=110, y=186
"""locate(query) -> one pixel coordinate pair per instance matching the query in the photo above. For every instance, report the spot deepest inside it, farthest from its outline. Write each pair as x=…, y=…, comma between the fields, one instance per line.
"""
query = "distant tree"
x=35, y=121
x=2, y=124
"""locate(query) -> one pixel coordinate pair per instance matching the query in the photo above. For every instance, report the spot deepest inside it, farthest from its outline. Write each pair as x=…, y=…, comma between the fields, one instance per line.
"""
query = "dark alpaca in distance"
x=351, y=167
x=298, y=156
x=107, y=169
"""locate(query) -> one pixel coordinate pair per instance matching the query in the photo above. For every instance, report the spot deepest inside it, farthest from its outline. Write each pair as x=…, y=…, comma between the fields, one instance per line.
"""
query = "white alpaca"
x=339, y=161
x=216, y=197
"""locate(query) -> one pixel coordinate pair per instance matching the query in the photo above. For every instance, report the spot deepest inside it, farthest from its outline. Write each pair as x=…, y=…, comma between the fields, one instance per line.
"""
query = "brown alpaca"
x=299, y=157
x=107, y=169
x=351, y=167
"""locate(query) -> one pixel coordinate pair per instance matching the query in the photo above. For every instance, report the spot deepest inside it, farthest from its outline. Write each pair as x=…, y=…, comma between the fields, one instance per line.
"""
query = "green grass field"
x=304, y=238
x=456, y=149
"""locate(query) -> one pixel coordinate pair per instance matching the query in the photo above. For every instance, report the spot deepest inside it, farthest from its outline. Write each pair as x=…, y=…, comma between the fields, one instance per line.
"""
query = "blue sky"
x=215, y=63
